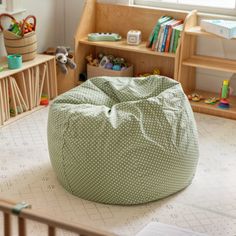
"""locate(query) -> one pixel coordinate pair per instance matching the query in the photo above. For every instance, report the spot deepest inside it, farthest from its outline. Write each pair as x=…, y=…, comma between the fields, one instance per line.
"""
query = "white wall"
x=58, y=20
x=67, y=16
x=211, y=80
x=44, y=10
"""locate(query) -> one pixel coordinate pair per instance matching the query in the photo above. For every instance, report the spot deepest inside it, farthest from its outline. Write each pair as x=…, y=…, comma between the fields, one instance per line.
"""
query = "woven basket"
x=24, y=44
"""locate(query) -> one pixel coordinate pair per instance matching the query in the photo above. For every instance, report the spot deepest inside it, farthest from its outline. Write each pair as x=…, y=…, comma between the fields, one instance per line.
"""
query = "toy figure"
x=225, y=90
x=63, y=60
x=91, y=61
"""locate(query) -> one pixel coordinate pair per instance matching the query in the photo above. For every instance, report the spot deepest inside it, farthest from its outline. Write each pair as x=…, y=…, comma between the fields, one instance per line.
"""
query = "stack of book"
x=165, y=35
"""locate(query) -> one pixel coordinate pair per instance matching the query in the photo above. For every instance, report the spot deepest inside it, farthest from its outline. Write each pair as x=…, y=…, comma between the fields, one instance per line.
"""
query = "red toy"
x=44, y=100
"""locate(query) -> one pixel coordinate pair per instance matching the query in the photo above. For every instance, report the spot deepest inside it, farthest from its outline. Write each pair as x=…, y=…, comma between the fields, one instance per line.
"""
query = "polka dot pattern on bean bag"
x=123, y=140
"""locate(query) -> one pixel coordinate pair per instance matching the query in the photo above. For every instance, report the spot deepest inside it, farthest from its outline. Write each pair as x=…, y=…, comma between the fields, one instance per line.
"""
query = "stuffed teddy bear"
x=63, y=60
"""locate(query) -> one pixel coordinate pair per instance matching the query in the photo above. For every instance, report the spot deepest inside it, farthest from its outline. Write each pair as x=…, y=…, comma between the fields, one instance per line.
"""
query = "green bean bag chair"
x=123, y=140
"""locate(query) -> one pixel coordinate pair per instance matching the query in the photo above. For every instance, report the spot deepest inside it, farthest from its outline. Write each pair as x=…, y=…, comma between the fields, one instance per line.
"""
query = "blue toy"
x=109, y=66
x=116, y=67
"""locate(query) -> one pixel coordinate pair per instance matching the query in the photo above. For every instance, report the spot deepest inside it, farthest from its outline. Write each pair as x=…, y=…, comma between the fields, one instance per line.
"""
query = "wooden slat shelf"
x=202, y=107
x=197, y=31
x=21, y=90
x=26, y=65
x=122, y=45
x=211, y=63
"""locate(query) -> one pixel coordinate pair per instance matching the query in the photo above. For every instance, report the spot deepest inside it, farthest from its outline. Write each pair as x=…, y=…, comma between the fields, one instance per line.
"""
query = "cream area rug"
x=207, y=206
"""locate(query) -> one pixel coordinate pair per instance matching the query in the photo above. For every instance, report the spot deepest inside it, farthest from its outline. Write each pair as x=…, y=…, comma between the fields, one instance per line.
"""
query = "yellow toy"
x=155, y=72
x=195, y=97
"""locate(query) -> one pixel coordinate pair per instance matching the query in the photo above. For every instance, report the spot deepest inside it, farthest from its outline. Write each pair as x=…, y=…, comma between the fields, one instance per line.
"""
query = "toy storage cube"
x=94, y=71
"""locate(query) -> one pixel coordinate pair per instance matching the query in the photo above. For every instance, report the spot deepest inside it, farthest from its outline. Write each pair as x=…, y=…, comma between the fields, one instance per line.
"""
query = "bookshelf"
x=189, y=61
x=122, y=45
x=103, y=17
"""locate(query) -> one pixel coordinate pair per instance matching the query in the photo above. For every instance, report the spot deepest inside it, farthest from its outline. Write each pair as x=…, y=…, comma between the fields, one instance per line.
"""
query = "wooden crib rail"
x=28, y=214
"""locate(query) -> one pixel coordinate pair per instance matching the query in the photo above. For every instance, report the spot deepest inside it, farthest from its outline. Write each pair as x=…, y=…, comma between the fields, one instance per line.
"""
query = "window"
x=2, y=5
x=212, y=6
x=11, y=6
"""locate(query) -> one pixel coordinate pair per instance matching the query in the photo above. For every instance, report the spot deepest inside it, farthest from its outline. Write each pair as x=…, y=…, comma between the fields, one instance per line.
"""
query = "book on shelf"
x=177, y=36
x=161, y=46
x=165, y=35
x=158, y=41
x=155, y=31
x=172, y=40
x=169, y=34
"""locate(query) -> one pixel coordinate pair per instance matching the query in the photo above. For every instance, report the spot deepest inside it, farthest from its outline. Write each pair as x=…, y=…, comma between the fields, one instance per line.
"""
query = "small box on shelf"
x=223, y=28
x=94, y=71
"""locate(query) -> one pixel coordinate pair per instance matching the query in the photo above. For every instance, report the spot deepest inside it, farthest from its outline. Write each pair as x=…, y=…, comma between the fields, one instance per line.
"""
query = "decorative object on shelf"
x=63, y=61
x=134, y=37
x=223, y=28
x=195, y=97
x=212, y=100
x=14, y=61
x=224, y=102
x=104, y=37
x=166, y=34
x=20, y=38
x=155, y=72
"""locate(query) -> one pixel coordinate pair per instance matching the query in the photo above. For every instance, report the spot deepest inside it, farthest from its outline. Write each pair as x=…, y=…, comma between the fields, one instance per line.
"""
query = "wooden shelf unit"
x=21, y=89
x=189, y=61
x=102, y=17
x=197, y=31
x=202, y=107
x=122, y=45
x=211, y=63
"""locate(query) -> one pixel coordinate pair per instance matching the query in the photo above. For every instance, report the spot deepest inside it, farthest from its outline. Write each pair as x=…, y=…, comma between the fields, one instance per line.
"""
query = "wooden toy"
x=134, y=37
x=91, y=61
x=104, y=37
x=224, y=102
x=211, y=100
x=44, y=100
x=195, y=97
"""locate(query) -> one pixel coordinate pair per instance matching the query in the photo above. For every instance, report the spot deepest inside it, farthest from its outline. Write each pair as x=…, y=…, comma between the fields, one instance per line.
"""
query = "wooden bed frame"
x=53, y=224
